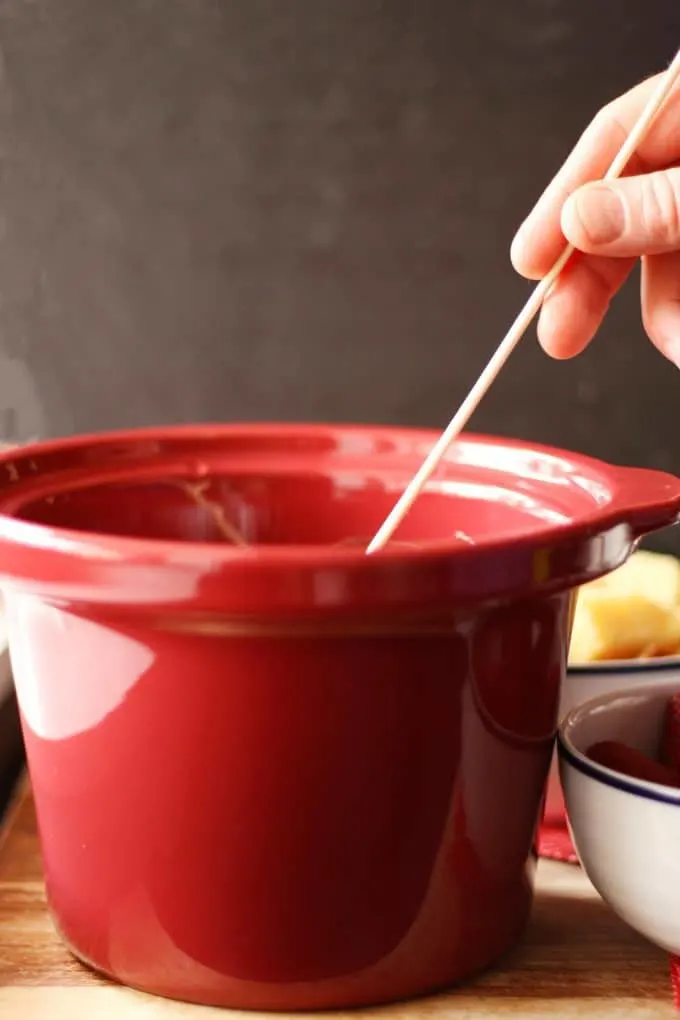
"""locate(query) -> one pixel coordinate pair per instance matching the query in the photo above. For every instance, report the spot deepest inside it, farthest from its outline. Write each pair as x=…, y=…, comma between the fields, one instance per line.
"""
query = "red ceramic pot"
x=288, y=775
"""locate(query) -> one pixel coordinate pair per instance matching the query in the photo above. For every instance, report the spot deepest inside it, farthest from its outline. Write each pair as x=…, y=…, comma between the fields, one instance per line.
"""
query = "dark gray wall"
x=217, y=209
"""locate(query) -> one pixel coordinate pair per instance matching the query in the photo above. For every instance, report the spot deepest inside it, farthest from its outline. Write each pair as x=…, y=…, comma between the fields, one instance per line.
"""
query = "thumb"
x=629, y=217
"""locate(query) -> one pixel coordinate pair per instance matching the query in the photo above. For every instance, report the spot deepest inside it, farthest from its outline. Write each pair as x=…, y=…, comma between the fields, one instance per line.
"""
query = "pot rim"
x=635, y=501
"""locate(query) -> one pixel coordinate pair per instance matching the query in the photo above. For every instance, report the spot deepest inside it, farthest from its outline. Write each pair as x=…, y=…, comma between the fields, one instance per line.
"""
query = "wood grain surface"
x=577, y=959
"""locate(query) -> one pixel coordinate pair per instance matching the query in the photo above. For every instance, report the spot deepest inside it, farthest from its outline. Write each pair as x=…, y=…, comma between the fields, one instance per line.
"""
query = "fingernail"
x=596, y=212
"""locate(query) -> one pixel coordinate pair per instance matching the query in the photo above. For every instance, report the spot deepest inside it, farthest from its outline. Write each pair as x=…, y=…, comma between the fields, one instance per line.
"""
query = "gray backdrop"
x=302, y=209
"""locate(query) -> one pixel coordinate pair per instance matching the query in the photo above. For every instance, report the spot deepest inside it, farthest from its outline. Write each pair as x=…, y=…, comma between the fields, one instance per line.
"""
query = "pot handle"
x=646, y=500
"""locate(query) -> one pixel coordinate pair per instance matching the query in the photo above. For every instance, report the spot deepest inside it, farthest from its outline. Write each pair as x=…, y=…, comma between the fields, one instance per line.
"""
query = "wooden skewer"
x=518, y=328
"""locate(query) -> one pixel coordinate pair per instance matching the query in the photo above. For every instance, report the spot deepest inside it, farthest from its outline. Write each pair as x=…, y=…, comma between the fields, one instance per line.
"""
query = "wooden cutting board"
x=577, y=960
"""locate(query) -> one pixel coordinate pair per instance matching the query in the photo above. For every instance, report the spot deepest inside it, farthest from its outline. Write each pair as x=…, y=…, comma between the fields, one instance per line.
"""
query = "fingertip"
x=660, y=294
x=552, y=341
x=523, y=257
x=564, y=328
x=517, y=252
x=536, y=246
x=663, y=328
x=672, y=351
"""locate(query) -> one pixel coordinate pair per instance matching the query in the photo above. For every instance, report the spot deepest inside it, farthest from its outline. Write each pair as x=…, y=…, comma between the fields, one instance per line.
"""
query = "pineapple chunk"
x=633, y=612
x=647, y=574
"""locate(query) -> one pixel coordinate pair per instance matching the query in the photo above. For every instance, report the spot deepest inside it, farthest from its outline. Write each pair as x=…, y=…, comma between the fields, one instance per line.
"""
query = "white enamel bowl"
x=592, y=680
x=626, y=831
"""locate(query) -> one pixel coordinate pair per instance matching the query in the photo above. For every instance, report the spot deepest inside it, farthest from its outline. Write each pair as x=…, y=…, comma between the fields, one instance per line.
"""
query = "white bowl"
x=582, y=683
x=626, y=831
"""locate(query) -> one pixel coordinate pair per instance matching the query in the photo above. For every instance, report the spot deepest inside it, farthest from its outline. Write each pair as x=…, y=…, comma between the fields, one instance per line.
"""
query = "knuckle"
x=604, y=116
x=660, y=207
x=606, y=125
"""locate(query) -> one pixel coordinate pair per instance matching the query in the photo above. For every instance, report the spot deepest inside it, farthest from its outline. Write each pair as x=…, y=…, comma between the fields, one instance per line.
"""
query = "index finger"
x=539, y=241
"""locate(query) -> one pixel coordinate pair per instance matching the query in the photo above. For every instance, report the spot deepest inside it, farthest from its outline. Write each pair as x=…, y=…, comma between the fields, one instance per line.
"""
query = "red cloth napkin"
x=554, y=842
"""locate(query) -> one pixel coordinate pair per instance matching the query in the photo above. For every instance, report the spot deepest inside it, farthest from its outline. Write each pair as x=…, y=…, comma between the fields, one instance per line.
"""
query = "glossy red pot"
x=288, y=775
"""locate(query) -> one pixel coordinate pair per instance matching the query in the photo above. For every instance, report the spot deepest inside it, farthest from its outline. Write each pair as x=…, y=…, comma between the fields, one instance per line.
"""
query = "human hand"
x=613, y=224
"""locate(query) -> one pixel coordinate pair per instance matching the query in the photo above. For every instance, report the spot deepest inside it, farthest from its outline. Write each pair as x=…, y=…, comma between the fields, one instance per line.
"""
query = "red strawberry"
x=620, y=758
x=670, y=734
